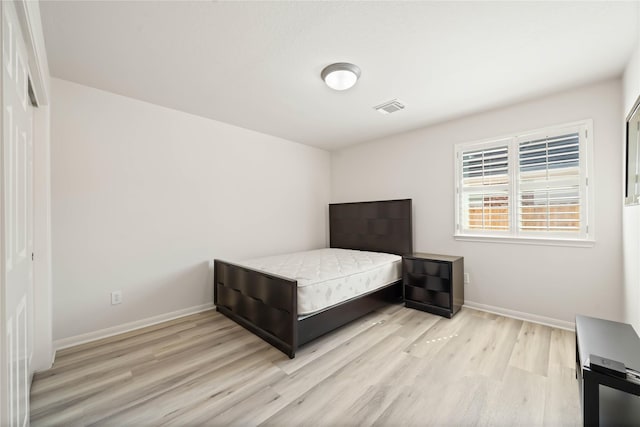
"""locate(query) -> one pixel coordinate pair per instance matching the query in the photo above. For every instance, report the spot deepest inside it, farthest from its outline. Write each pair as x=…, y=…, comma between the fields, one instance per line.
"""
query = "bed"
x=266, y=303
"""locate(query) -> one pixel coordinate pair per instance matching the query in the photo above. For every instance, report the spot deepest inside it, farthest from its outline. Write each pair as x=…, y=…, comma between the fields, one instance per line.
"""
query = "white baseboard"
x=127, y=327
x=534, y=318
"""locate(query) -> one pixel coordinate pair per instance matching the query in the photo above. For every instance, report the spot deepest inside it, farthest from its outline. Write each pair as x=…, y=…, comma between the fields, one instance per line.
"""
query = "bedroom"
x=154, y=173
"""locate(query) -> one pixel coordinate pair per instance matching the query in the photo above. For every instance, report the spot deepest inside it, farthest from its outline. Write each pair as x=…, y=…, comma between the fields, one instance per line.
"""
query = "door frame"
x=31, y=25
x=42, y=357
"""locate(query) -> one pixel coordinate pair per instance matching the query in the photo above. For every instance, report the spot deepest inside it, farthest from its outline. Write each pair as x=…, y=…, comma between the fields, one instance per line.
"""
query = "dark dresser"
x=607, y=400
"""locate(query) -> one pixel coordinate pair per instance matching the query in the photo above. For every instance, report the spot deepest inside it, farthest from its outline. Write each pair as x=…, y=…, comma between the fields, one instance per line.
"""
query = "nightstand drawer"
x=421, y=295
x=429, y=282
x=429, y=268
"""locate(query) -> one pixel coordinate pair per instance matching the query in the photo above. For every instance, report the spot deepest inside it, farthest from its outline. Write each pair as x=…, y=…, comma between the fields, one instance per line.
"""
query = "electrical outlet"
x=116, y=297
x=466, y=278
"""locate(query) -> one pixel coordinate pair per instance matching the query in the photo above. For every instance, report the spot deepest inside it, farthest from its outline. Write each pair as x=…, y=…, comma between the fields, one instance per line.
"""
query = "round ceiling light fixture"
x=341, y=75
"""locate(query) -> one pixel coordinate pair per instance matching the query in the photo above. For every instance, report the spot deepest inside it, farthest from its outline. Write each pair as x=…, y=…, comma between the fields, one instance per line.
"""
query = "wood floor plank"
x=295, y=385
x=67, y=395
x=454, y=349
x=562, y=350
x=562, y=400
x=433, y=339
x=497, y=339
x=247, y=410
x=303, y=379
x=531, y=351
x=209, y=314
x=395, y=366
x=179, y=404
x=91, y=372
x=518, y=400
x=411, y=406
x=463, y=400
x=108, y=350
x=338, y=392
x=164, y=378
x=326, y=343
x=416, y=325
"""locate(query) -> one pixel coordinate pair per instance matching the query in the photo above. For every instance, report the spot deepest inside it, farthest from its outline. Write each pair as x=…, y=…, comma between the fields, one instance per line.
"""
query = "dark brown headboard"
x=383, y=226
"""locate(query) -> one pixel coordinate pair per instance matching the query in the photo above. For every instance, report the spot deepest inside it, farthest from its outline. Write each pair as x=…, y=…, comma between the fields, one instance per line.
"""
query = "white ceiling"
x=257, y=64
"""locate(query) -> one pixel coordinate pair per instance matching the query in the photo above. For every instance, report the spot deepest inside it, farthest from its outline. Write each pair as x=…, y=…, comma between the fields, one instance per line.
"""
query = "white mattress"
x=327, y=277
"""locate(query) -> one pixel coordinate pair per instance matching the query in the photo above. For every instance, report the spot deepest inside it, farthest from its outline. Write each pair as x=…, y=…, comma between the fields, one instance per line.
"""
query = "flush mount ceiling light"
x=340, y=76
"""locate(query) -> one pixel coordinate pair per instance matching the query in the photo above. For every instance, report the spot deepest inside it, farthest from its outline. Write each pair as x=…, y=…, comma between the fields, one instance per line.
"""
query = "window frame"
x=584, y=237
x=632, y=156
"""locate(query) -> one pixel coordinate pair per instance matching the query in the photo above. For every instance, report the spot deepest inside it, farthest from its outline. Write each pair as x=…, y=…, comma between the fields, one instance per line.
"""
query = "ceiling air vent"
x=390, y=107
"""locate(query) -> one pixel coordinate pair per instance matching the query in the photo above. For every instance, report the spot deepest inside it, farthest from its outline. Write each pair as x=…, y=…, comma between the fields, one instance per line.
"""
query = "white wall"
x=552, y=282
x=143, y=197
x=631, y=214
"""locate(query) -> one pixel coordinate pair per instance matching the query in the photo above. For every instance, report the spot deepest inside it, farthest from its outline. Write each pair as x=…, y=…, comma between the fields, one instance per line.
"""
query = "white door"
x=17, y=173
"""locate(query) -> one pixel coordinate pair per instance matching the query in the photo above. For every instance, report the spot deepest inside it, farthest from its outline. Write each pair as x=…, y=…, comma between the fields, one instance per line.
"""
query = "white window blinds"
x=549, y=184
x=485, y=188
x=530, y=186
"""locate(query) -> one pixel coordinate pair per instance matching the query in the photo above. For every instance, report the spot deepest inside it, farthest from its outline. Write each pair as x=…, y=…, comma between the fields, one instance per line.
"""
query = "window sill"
x=527, y=240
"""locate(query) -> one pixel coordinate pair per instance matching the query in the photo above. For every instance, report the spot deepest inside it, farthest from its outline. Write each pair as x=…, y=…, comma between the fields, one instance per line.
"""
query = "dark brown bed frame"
x=267, y=304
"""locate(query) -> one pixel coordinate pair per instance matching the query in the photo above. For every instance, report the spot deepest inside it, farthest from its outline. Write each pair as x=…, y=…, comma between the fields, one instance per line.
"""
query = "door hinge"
x=31, y=256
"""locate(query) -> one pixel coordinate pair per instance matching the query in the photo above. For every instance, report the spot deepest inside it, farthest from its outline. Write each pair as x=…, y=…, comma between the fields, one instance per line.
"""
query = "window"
x=530, y=186
x=632, y=184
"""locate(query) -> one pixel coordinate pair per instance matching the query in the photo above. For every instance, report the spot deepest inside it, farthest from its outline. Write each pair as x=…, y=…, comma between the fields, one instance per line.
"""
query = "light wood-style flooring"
x=396, y=366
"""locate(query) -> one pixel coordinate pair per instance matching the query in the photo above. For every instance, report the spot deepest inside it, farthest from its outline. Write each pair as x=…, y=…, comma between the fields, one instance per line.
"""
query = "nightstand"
x=433, y=283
